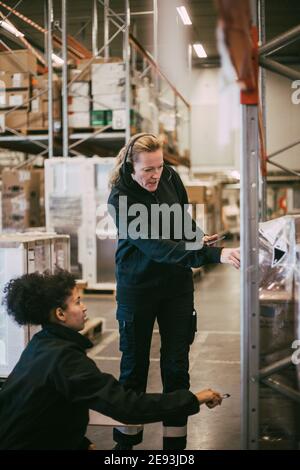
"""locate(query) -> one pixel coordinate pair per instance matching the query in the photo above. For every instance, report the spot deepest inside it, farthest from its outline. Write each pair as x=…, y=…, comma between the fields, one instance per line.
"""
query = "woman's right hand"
x=210, y=397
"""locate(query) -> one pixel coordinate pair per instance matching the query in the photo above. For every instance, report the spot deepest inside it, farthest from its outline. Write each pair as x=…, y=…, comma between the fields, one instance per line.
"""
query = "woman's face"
x=74, y=315
x=148, y=169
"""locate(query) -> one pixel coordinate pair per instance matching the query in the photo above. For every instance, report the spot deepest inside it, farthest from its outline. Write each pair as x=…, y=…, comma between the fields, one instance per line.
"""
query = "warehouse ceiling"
x=280, y=15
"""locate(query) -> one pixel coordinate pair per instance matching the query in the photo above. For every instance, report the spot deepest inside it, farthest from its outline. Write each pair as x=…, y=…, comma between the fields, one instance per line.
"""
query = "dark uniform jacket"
x=159, y=265
x=45, y=401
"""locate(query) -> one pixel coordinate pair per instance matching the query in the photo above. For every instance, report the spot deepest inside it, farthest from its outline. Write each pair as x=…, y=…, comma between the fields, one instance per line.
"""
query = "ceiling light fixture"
x=199, y=49
x=184, y=15
x=10, y=28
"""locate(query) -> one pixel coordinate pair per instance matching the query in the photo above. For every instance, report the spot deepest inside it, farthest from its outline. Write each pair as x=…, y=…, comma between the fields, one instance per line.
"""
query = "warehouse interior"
x=219, y=83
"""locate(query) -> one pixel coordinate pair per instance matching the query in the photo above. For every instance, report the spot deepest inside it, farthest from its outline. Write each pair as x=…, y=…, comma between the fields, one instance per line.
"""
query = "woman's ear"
x=60, y=314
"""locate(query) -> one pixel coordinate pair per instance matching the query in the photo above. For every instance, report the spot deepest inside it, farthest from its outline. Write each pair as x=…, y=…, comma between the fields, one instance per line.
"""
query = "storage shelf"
x=106, y=144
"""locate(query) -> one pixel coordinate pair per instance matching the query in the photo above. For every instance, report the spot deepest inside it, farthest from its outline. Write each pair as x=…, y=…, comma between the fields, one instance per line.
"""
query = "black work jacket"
x=155, y=266
x=45, y=401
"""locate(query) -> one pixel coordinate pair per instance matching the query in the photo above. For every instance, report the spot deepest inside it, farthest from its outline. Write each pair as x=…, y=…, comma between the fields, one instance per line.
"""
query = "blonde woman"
x=154, y=258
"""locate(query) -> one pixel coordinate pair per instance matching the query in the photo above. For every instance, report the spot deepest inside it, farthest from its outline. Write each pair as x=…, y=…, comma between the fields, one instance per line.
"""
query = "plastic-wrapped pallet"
x=20, y=254
x=76, y=202
x=278, y=316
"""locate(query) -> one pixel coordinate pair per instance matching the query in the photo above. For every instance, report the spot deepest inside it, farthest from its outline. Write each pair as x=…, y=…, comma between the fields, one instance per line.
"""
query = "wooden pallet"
x=93, y=329
x=102, y=288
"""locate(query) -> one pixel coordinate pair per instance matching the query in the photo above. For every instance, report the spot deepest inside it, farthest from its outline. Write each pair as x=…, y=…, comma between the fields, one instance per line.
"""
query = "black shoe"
x=122, y=447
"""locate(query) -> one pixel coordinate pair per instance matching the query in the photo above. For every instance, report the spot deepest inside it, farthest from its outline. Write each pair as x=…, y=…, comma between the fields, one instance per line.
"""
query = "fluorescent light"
x=57, y=59
x=199, y=49
x=10, y=28
x=184, y=15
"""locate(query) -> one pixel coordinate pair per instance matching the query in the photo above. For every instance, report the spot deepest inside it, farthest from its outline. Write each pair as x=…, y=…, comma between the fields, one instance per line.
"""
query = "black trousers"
x=177, y=324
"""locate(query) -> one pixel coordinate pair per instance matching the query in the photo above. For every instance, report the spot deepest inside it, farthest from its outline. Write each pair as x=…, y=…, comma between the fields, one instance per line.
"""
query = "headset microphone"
x=127, y=166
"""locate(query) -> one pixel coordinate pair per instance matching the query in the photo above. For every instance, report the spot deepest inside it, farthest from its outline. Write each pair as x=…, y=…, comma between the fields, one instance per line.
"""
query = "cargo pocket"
x=193, y=326
x=125, y=317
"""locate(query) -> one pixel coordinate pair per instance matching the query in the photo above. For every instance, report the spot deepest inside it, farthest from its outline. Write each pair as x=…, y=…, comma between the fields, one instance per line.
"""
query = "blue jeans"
x=177, y=326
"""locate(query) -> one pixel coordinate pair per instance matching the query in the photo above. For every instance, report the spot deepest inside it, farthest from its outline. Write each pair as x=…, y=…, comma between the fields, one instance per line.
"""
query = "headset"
x=127, y=167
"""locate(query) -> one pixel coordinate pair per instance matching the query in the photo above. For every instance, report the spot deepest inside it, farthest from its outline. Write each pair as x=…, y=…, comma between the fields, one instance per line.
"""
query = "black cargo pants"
x=176, y=320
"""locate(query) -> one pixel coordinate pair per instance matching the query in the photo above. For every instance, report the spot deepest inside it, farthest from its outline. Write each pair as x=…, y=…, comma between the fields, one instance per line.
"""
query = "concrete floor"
x=214, y=363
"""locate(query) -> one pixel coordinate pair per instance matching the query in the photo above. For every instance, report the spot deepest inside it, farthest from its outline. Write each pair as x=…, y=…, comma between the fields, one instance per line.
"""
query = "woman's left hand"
x=210, y=238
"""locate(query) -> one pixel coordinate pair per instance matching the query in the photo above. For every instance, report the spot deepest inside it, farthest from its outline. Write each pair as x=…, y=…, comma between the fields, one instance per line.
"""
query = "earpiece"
x=127, y=167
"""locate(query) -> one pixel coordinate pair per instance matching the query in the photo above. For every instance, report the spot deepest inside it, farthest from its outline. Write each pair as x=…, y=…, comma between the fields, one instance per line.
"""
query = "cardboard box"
x=14, y=120
x=85, y=76
x=10, y=99
x=18, y=61
x=14, y=80
x=3, y=99
x=196, y=194
x=56, y=108
x=79, y=119
x=18, y=98
x=85, y=65
x=36, y=120
x=40, y=87
x=79, y=104
x=114, y=101
x=19, y=222
x=21, y=198
x=80, y=88
x=108, y=86
x=108, y=71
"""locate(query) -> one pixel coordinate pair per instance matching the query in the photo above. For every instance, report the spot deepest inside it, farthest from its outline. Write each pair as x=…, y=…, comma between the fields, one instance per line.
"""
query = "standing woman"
x=154, y=276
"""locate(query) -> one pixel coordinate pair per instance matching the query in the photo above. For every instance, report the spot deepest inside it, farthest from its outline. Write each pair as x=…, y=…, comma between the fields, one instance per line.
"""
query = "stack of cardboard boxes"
x=97, y=96
x=15, y=73
x=205, y=199
x=38, y=115
x=79, y=104
x=21, y=87
x=108, y=94
x=22, y=199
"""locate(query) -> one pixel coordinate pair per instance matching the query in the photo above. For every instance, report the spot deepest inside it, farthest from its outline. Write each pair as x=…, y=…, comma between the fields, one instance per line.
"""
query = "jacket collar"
x=68, y=334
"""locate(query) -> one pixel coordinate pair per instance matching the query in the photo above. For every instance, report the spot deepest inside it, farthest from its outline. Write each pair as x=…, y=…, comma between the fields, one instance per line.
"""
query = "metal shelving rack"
x=72, y=142
x=252, y=185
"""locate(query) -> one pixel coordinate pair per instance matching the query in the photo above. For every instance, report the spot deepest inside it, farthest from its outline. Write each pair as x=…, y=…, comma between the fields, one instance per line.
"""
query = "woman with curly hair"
x=45, y=402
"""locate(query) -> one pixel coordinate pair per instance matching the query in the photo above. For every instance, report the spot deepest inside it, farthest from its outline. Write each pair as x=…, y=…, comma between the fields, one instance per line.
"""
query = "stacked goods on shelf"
x=279, y=323
x=79, y=104
x=16, y=68
x=22, y=199
x=76, y=193
x=14, y=91
x=146, y=104
x=214, y=207
x=20, y=254
x=97, y=96
x=197, y=199
x=108, y=94
x=38, y=116
x=231, y=210
x=21, y=87
x=205, y=198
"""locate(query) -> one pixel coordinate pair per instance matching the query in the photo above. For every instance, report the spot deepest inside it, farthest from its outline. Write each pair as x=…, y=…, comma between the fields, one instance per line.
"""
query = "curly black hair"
x=31, y=298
